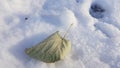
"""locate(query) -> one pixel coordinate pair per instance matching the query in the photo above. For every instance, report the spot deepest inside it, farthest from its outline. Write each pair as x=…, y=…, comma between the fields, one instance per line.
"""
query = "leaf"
x=52, y=49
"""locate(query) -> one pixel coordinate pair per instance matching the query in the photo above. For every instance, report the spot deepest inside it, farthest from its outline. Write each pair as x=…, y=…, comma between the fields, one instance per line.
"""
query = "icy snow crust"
x=95, y=41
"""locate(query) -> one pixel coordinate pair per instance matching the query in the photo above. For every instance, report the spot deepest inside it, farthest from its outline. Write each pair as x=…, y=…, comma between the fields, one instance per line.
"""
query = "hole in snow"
x=26, y=18
x=97, y=11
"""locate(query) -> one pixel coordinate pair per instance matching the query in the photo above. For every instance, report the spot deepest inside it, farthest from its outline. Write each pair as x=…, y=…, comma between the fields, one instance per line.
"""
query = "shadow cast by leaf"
x=18, y=50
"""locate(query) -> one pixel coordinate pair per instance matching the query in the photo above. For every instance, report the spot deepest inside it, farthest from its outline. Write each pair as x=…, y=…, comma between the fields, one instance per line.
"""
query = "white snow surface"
x=95, y=42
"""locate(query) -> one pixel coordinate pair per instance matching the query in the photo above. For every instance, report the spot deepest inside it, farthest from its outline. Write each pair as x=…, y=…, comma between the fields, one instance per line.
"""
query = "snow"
x=67, y=18
x=95, y=41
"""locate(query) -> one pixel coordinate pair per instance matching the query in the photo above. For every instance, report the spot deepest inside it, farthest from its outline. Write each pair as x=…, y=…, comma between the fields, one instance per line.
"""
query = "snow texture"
x=95, y=35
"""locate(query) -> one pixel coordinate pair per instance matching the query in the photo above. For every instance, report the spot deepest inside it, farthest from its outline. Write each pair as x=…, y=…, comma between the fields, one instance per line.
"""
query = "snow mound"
x=67, y=18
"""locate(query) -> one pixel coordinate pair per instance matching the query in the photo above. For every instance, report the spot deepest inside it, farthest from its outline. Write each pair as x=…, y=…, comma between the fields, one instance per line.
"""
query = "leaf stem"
x=67, y=30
